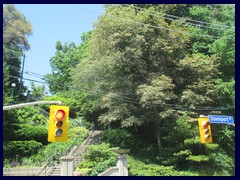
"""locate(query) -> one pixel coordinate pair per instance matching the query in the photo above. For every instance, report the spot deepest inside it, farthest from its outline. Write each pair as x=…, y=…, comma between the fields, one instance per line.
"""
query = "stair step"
x=93, y=139
x=59, y=169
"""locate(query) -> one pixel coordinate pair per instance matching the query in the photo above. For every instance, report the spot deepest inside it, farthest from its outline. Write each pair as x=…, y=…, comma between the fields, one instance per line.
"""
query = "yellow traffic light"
x=58, y=124
x=205, y=130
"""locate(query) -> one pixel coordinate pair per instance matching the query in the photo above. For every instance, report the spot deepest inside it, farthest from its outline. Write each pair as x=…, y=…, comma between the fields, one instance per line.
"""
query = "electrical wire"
x=133, y=100
x=27, y=72
x=180, y=21
x=178, y=17
x=153, y=26
x=24, y=78
x=176, y=106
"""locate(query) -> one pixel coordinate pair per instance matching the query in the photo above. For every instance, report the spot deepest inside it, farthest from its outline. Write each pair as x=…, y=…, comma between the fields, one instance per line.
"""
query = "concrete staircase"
x=94, y=138
x=56, y=170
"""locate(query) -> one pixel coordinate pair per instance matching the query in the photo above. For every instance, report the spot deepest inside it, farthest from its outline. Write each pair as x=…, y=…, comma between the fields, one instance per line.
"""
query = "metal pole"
x=13, y=86
x=31, y=103
x=12, y=91
x=20, y=87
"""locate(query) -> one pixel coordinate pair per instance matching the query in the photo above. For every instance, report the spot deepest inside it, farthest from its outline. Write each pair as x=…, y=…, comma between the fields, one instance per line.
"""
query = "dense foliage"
x=97, y=159
x=149, y=70
x=144, y=75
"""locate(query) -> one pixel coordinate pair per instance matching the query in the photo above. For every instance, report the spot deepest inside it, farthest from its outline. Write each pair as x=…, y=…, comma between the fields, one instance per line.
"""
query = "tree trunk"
x=158, y=125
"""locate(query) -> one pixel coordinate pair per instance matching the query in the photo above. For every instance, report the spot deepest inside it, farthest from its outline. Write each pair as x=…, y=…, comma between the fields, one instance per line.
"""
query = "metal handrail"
x=86, y=142
x=52, y=159
x=50, y=163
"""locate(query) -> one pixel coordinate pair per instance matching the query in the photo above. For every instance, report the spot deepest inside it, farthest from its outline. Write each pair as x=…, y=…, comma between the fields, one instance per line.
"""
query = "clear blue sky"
x=52, y=23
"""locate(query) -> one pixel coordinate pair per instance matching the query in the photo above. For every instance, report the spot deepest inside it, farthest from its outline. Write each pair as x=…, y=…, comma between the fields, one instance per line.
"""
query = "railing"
x=79, y=157
x=112, y=171
x=52, y=161
x=49, y=165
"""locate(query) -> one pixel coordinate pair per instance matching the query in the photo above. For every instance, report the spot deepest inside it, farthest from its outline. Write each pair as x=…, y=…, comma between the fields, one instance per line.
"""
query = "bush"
x=78, y=132
x=138, y=168
x=55, y=148
x=84, y=171
x=99, y=153
x=102, y=166
x=118, y=138
x=28, y=132
x=32, y=116
x=34, y=160
x=98, y=158
x=21, y=148
x=22, y=132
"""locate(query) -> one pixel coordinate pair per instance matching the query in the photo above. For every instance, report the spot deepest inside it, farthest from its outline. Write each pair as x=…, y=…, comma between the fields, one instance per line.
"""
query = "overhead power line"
x=153, y=26
x=27, y=72
x=24, y=78
x=126, y=99
x=179, y=17
x=175, y=106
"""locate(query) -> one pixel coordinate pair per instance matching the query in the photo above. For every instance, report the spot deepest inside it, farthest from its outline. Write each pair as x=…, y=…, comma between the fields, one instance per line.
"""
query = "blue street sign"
x=221, y=119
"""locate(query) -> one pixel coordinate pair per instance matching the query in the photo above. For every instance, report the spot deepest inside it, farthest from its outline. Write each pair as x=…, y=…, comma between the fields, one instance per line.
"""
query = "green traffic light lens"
x=58, y=132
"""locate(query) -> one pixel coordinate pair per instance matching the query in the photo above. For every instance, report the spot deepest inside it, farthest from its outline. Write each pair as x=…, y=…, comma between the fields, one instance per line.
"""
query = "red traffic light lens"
x=205, y=124
x=60, y=114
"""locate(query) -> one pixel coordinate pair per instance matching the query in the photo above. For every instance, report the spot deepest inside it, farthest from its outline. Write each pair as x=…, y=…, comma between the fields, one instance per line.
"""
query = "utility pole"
x=20, y=87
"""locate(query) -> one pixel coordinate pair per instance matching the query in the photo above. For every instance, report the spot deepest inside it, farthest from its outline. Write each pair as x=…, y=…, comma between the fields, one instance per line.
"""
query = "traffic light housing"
x=205, y=130
x=58, y=123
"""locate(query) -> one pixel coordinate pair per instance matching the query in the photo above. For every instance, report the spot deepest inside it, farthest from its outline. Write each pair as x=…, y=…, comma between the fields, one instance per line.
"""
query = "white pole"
x=31, y=103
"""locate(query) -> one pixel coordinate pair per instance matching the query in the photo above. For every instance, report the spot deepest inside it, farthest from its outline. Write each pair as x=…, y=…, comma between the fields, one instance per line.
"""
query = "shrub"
x=28, y=132
x=99, y=153
x=32, y=116
x=78, y=132
x=98, y=158
x=21, y=148
x=138, y=168
x=21, y=132
x=84, y=171
x=102, y=166
x=118, y=138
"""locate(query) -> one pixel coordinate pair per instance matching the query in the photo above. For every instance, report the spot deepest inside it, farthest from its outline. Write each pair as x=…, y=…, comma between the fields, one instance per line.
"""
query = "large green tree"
x=66, y=58
x=147, y=70
x=16, y=30
x=129, y=63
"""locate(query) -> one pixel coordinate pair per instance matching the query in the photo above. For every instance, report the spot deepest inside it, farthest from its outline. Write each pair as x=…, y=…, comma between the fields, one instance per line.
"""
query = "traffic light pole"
x=31, y=103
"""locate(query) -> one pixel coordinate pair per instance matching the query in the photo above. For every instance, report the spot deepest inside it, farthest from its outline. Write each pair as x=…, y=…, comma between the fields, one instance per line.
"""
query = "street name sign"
x=221, y=119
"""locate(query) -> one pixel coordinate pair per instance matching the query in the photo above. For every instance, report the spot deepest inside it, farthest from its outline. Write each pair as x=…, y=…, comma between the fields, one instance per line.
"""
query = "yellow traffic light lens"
x=206, y=130
x=60, y=114
x=59, y=124
x=207, y=136
x=58, y=132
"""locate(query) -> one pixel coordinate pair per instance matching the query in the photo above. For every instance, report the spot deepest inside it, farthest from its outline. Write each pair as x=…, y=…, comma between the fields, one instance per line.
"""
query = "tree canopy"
x=147, y=72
